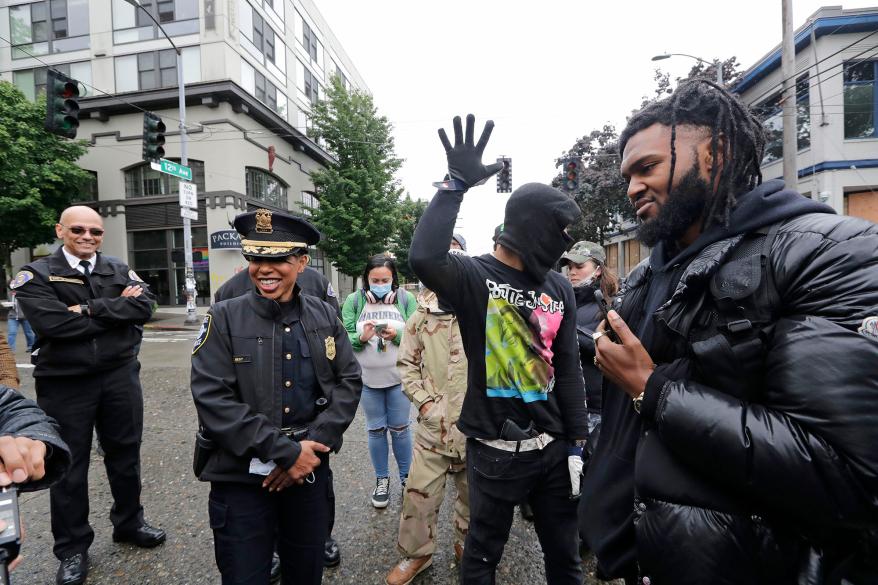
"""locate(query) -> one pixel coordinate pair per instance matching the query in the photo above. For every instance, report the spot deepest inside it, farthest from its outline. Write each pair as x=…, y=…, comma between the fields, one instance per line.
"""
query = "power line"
x=783, y=81
x=106, y=93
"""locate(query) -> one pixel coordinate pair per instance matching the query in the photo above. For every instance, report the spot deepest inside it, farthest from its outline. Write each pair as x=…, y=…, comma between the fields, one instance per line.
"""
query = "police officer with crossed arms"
x=87, y=309
x=275, y=385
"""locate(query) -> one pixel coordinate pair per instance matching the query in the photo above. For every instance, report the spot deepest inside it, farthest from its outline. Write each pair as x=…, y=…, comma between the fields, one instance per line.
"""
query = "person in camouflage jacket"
x=433, y=368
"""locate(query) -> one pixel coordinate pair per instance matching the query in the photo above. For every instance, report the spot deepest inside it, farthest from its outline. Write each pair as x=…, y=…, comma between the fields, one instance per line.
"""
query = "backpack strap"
x=772, y=297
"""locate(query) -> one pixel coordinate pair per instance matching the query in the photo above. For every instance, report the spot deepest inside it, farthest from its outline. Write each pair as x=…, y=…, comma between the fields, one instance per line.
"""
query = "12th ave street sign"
x=172, y=168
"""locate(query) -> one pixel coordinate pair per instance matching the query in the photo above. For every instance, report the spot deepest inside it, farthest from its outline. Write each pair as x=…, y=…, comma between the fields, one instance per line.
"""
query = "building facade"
x=837, y=110
x=252, y=70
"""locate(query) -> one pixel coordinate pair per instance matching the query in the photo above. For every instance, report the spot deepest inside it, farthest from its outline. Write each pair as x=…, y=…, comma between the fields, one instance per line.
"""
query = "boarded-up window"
x=612, y=251
x=863, y=204
x=632, y=254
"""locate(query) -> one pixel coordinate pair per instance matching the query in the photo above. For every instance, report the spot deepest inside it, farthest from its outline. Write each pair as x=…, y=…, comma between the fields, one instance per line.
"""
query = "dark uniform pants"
x=498, y=480
x=247, y=520
x=112, y=402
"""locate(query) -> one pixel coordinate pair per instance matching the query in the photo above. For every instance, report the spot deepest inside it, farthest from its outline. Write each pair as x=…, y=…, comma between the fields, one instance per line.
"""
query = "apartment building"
x=252, y=70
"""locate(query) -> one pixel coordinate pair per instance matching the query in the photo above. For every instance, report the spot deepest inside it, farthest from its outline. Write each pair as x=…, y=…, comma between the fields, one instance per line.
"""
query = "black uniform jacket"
x=71, y=343
x=20, y=417
x=236, y=383
x=311, y=281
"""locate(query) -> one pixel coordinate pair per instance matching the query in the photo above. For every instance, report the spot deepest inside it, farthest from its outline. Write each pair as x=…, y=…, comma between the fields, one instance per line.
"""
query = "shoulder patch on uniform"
x=133, y=276
x=203, y=334
x=869, y=327
x=330, y=292
x=21, y=278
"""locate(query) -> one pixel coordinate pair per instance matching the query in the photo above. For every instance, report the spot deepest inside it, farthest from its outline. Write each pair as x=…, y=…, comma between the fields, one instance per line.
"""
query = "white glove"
x=574, y=466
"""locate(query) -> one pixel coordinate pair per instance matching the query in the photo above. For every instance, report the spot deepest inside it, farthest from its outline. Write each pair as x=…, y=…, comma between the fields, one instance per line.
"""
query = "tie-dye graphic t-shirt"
x=524, y=333
x=519, y=334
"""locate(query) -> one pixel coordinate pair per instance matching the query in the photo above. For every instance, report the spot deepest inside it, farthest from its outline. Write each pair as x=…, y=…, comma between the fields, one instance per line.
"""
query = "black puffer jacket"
x=748, y=468
x=21, y=417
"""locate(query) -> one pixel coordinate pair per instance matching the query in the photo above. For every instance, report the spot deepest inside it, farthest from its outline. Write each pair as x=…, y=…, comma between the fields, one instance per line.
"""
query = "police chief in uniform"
x=275, y=385
x=310, y=282
x=87, y=309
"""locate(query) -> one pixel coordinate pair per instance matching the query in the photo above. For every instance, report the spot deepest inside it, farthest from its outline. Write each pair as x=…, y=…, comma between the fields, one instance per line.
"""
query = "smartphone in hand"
x=380, y=327
x=605, y=311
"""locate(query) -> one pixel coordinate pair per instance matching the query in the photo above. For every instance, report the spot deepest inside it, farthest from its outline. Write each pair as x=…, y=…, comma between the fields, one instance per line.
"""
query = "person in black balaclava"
x=524, y=409
x=534, y=226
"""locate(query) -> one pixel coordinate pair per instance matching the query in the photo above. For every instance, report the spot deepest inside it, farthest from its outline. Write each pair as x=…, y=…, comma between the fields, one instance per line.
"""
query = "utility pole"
x=788, y=71
x=189, y=271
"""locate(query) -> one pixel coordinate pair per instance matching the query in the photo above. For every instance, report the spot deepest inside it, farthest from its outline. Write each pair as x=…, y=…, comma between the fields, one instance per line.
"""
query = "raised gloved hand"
x=574, y=466
x=465, y=158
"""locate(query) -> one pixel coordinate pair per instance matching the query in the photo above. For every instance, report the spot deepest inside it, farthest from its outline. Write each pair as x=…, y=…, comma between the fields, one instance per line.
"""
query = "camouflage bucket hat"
x=582, y=251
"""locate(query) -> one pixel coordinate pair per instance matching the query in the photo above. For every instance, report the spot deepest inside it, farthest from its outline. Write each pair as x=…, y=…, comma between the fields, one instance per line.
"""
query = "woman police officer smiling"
x=275, y=385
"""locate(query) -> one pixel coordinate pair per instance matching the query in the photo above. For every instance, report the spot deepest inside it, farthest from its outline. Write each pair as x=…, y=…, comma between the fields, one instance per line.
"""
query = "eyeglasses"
x=78, y=230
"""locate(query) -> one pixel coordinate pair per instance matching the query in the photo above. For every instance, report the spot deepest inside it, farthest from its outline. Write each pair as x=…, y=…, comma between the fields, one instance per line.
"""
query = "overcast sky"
x=547, y=72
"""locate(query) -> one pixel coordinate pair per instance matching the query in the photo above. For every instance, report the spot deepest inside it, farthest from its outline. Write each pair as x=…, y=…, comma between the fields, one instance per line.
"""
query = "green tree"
x=601, y=195
x=358, y=196
x=38, y=172
x=409, y=213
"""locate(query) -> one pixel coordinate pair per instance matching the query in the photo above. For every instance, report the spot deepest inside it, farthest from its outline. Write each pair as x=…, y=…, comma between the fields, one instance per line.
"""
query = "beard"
x=685, y=206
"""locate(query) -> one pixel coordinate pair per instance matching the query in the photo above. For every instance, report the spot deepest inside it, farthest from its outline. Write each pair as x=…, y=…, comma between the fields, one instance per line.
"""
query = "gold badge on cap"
x=329, y=342
x=263, y=221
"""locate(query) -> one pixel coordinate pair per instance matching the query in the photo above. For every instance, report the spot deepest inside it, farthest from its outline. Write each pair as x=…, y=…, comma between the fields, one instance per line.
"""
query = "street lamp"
x=716, y=62
x=191, y=317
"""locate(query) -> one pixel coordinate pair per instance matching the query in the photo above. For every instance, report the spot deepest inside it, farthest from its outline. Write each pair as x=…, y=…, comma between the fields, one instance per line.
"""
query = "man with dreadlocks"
x=741, y=402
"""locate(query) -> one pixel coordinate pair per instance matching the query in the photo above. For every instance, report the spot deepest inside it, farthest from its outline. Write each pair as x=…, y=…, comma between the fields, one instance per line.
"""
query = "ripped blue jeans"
x=388, y=409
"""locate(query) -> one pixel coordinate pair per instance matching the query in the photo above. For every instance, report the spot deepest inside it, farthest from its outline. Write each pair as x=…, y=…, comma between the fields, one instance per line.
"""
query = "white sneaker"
x=381, y=493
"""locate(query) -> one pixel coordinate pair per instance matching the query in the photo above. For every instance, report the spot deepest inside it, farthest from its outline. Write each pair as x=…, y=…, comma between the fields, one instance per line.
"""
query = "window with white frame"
x=307, y=84
x=32, y=82
x=309, y=203
x=771, y=114
x=260, y=39
x=265, y=187
x=860, y=99
x=142, y=181
x=43, y=28
x=132, y=24
x=156, y=69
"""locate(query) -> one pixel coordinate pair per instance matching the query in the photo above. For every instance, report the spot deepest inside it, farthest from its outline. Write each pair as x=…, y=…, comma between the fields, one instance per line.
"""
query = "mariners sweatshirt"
x=519, y=333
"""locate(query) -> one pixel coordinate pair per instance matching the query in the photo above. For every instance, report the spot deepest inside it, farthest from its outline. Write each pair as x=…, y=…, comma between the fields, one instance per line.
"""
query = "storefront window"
x=157, y=256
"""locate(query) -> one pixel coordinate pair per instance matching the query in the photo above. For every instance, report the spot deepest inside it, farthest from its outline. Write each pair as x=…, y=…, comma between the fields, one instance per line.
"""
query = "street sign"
x=188, y=195
x=189, y=213
x=172, y=168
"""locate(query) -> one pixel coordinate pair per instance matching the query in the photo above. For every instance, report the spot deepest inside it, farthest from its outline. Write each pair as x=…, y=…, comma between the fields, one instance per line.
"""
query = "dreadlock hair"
x=703, y=103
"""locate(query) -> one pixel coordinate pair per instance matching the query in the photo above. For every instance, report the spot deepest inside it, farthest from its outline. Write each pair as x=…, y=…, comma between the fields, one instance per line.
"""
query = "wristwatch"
x=638, y=402
x=579, y=443
x=83, y=308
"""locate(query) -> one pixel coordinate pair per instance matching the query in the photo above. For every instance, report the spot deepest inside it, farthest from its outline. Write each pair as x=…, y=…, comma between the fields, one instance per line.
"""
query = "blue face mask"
x=380, y=290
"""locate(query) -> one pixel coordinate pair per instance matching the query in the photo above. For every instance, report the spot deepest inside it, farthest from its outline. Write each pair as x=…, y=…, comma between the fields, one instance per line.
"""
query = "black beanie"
x=534, y=224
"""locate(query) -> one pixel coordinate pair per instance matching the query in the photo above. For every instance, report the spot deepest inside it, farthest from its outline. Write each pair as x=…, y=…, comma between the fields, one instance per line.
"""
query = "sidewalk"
x=173, y=319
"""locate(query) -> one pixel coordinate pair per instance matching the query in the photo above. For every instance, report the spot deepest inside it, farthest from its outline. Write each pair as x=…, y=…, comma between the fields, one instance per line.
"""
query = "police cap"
x=274, y=234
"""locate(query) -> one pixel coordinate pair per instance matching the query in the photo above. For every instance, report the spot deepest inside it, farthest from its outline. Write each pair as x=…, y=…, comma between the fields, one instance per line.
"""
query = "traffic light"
x=153, y=137
x=504, y=177
x=570, y=182
x=62, y=109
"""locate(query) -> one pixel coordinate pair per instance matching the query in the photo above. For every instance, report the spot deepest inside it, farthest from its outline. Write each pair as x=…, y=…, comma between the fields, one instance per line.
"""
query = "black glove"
x=465, y=159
